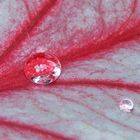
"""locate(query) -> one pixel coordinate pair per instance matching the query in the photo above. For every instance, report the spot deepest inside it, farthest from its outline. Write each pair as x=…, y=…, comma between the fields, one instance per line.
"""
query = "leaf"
x=97, y=43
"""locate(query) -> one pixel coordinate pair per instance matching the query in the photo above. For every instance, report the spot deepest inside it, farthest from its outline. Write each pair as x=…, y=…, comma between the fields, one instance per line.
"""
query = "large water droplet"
x=126, y=105
x=42, y=68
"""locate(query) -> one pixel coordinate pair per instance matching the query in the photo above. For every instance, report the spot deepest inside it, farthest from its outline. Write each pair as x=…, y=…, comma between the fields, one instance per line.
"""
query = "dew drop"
x=42, y=68
x=126, y=105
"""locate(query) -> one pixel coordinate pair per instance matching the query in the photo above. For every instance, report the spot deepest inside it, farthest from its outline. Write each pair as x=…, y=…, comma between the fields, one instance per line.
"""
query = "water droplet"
x=42, y=68
x=126, y=105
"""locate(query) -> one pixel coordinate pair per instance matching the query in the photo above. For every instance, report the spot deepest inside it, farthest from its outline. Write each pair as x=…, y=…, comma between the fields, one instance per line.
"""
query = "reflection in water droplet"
x=126, y=105
x=42, y=68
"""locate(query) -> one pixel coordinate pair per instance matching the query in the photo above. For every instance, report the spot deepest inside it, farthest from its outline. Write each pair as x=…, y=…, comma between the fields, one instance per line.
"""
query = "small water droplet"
x=126, y=105
x=42, y=68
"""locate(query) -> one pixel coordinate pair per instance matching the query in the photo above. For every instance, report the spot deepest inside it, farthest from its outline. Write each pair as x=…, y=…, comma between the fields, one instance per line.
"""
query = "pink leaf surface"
x=97, y=43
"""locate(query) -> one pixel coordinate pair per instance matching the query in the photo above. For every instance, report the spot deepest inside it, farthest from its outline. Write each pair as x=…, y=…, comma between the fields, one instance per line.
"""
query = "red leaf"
x=97, y=43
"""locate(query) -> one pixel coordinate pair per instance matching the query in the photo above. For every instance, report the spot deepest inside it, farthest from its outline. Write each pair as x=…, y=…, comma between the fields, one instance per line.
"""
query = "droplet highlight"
x=42, y=68
x=126, y=105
